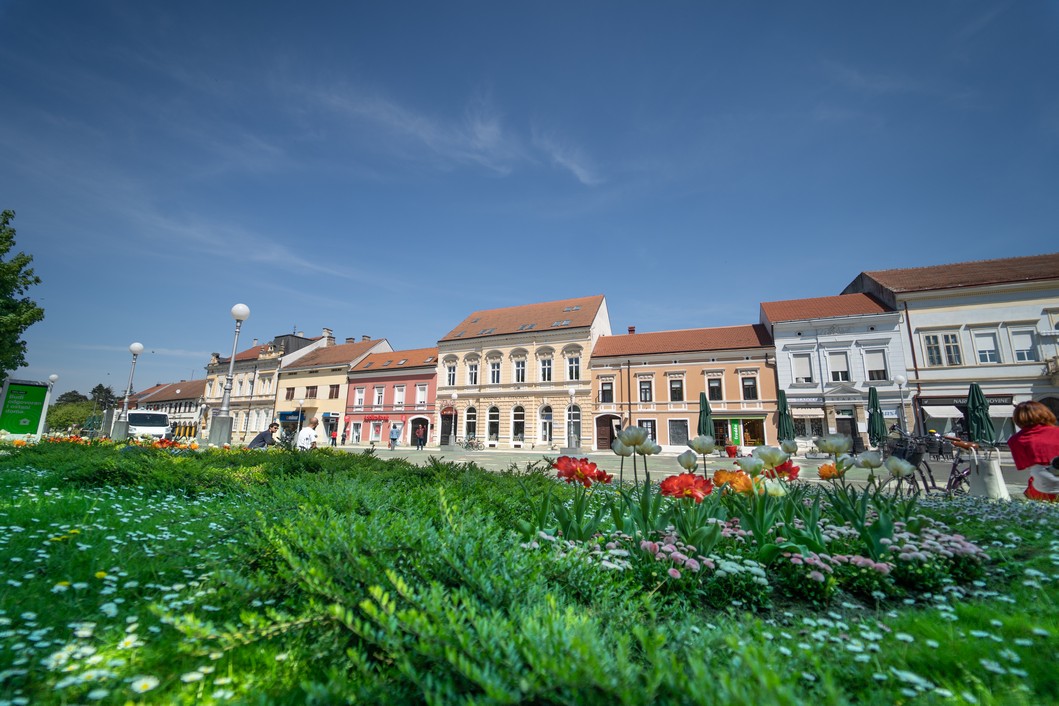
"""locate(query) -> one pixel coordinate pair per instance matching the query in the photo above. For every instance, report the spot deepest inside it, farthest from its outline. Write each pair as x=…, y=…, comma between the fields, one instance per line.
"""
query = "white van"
x=155, y=424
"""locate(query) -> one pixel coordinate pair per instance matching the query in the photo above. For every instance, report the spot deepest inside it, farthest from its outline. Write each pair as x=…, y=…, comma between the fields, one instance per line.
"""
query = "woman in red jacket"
x=1034, y=447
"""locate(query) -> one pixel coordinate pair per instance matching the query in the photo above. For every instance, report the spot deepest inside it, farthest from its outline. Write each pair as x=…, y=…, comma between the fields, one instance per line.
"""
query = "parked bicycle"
x=471, y=443
x=915, y=450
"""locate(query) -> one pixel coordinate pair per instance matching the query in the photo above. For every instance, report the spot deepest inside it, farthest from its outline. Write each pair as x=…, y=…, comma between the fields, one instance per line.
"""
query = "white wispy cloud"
x=568, y=157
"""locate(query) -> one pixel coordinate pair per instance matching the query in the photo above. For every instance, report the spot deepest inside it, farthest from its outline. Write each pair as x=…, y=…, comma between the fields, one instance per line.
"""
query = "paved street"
x=659, y=466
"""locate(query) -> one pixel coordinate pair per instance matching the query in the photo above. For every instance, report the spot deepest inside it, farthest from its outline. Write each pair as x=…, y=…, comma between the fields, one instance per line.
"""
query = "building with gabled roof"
x=994, y=322
x=517, y=377
x=315, y=384
x=252, y=402
x=183, y=401
x=392, y=391
x=829, y=352
x=656, y=380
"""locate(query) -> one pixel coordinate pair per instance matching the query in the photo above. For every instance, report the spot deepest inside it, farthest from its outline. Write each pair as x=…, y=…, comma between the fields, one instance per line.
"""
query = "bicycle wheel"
x=926, y=476
x=959, y=482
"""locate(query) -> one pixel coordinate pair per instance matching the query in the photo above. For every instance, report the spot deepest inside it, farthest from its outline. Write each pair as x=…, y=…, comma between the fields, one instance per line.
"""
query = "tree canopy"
x=103, y=396
x=17, y=312
x=73, y=414
x=71, y=397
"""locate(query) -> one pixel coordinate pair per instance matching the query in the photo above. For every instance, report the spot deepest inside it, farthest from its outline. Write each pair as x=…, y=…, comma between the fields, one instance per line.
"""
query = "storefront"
x=947, y=415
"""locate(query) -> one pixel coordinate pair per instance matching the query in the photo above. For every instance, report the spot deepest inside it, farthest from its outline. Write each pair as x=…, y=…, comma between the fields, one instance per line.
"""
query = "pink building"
x=391, y=390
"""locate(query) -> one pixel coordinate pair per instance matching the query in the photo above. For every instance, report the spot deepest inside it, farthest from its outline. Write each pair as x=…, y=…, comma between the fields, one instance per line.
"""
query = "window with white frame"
x=421, y=394
x=715, y=389
x=875, y=364
x=494, y=372
x=749, y=387
x=985, y=346
x=606, y=392
x=310, y=392
x=943, y=348
x=546, y=370
x=646, y=391
x=472, y=373
x=953, y=354
x=332, y=392
x=450, y=373
x=520, y=371
x=358, y=398
x=398, y=396
x=573, y=367
x=379, y=392
x=1024, y=345
x=932, y=344
x=650, y=426
x=838, y=363
x=289, y=393
x=802, y=367
x=676, y=389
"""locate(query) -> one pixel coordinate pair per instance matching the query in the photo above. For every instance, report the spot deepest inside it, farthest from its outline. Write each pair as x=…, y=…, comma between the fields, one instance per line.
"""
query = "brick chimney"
x=632, y=330
x=330, y=336
x=351, y=339
x=365, y=338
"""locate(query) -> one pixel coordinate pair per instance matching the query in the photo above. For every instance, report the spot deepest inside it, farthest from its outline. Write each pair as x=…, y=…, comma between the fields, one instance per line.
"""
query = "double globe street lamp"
x=221, y=423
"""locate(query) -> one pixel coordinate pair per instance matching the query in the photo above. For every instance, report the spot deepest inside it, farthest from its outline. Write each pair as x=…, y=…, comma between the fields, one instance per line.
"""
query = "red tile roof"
x=248, y=354
x=333, y=356
x=546, y=316
x=415, y=358
x=684, y=341
x=969, y=274
x=171, y=391
x=822, y=307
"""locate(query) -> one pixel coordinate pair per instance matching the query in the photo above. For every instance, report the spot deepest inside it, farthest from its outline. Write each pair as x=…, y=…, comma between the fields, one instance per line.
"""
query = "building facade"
x=315, y=385
x=829, y=352
x=183, y=401
x=654, y=380
x=252, y=404
x=994, y=322
x=518, y=377
x=392, y=390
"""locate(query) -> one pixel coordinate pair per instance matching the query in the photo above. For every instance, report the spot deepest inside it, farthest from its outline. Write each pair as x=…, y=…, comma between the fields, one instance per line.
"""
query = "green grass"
x=137, y=576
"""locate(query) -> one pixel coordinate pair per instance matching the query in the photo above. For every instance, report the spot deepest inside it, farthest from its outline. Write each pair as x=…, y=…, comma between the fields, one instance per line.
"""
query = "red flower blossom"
x=687, y=485
x=786, y=471
x=580, y=470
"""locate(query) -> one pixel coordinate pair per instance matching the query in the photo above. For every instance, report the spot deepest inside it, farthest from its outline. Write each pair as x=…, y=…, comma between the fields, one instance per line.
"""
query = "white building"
x=993, y=322
x=829, y=352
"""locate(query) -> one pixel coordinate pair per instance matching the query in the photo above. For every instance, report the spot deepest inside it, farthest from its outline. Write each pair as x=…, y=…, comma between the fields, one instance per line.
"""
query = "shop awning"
x=290, y=416
x=807, y=412
x=941, y=411
x=1001, y=411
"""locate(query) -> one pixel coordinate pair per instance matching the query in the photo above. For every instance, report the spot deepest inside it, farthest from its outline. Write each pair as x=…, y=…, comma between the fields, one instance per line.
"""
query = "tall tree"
x=64, y=416
x=103, y=396
x=71, y=397
x=17, y=312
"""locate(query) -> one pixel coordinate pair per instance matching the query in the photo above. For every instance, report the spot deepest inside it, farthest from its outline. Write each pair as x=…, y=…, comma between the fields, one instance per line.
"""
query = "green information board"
x=23, y=407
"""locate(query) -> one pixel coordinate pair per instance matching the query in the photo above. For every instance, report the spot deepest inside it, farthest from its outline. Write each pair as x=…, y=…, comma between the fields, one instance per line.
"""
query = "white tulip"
x=703, y=444
x=648, y=448
x=899, y=467
x=870, y=459
x=771, y=455
x=775, y=488
x=621, y=449
x=790, y=446
x=751, y=466
x=689, y=461
x=632, y=436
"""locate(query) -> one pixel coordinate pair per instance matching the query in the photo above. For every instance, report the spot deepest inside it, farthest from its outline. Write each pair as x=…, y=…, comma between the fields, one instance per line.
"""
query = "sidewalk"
x=659, y=466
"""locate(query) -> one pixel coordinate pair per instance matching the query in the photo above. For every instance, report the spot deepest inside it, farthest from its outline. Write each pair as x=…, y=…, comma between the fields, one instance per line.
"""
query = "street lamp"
x=53, y=378
x=300, y=403
x=571, y=447
x=121, y=427
x=901, y=380
x=221, y=424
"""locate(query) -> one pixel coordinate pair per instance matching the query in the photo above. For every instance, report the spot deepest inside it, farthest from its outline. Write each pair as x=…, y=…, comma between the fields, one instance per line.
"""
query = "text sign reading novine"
x=23, y=407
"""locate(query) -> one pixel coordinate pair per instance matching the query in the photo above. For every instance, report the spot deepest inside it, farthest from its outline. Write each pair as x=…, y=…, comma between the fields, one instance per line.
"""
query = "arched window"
x=518, y=423
x=573, y=425
x=494, y=424
x=470, y=420
x=545, y=424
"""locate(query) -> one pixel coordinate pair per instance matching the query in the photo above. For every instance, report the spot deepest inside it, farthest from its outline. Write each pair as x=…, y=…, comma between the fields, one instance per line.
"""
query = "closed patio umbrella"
x=979, y=426
x=705, y=416
x=784, y=420
x=876, y=424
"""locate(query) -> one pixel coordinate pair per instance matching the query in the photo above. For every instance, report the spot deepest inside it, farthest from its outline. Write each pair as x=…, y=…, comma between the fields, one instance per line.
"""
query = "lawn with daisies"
x=134, y=574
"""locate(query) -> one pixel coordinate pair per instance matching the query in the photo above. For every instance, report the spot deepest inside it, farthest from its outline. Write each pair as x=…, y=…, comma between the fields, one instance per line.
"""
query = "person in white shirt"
x=307, y=436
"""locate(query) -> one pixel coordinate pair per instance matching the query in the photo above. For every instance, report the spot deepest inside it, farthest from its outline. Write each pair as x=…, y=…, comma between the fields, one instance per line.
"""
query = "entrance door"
x=844, y=426
x=448, y=424
x=605, y=432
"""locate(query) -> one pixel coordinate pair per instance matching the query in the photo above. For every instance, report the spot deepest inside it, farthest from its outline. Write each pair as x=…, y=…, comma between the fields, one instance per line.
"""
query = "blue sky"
x=387, y=168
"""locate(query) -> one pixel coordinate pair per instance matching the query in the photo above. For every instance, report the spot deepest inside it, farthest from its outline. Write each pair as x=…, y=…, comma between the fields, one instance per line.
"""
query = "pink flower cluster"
x=670, y=550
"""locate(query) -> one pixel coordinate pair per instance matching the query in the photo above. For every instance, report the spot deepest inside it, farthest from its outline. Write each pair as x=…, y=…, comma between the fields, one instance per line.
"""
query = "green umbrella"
x=979, y=426
x=784, y=420
x=876, y=424
x=705, y=416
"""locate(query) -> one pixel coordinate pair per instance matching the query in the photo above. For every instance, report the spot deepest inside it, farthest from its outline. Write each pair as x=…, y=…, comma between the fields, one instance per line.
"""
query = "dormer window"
x=458, y=334
x=527, y=327
x=573, y=308
x=402, y=361
x=367, y=365
x=486, y=331
x=564, y=322
x=386, y=363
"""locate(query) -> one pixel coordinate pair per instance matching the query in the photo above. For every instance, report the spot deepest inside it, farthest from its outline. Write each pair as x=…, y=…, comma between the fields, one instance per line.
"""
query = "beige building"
x=315, y=385
x=654, y=380
x=518, y=377
x=253, y=398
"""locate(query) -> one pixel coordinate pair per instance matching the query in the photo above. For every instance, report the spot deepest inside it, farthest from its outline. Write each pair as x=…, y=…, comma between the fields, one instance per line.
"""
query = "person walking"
x=265, y=438
x=421, y=436
x=334, y=437
x=1035, y=448
x=307, y=436
x=395, y=434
